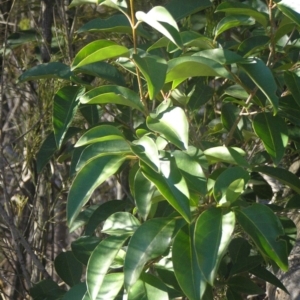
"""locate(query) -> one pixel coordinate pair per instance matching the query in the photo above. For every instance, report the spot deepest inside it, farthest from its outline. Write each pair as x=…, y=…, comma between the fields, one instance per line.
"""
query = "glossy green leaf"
x=64, y=109
x=282, y=175
x=221, y=56
x=172, y=124
x=76, y=292
x=44, y=71
x=243, y=9
x=161, y=20
x=191, y=170
x=149, y=241
x=181, y=68
x=83, y=247
x=146, y=149
x=103, y=212
x=293, y=83
x=233, y=21
x=171, y=185
x=99, y=134
x=213, y=232
x=265, y=229
x=273, y=132
x=98, y=51
x=289, y=109
x=68, y=268
x=121, y=223
x=262, y=76
x=224, y=190
x=113, y=94
x=148, y=287
x=143, y=192
x=95, y=172
x=91, y=113
x=103, y=70
x=113, y=147
x=230, y=155
x=187, y=271
x=291, y=9
x=100, y=261
x=244, y=285
x=154, y=70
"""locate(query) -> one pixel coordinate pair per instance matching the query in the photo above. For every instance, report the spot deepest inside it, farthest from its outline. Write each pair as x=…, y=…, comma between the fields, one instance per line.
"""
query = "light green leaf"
x=100, y=261
x=171, y=185
x=121, y=223
x=291, y=9
x=80, y=2
x=265, y=229
x=120, y=5
x=293, y=83
x=233, y=21
x=64, y=109
x=273, y=132
x=154, y=69
x=161, y=20
x=221, y=56
x=181, y=68
x=262, y=76
x=229, y=176
x=98, y=51
x=113, y=147
x=243, y=9
x=213, y=232
x=113, y=94
x=95, y=172
x=172, y=123
x=149, y=241
x=68, y=268
x=44, y=71
x=282, y=175
x=187, y=271
x=100, y=133
x=148, y=287
x=146, y=149
x=143, y=190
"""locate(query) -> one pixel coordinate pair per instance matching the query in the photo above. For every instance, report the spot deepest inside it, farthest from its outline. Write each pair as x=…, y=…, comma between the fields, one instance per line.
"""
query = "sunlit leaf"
x=291, y=9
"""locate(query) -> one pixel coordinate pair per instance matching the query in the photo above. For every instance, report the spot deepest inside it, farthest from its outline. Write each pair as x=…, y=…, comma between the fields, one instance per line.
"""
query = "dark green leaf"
x=244, y=285
x=46, y=289
x=90, y=113
x=253, y=44
x=76, y=292
x=293, y=83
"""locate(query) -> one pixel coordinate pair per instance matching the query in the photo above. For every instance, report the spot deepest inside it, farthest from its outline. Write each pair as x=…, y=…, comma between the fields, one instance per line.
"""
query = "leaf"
x=149, y=241
x=44, y=289
x=83, y=247
x=293, y=83
x=146, y=149
x=76, y=292
x=113, y=94
x=103, y=212
x=233, y=21
x=64, y=109
x=172, y=123
x=97, y=51
x=221, y=56
x=231, y=294
x=113, y=147
x=230, y=155
x=244, y=285
x=181, y=68
x=120, y=5
x=161, y=20
x=243, y=9
x=187, y=271
x=120, y=223
x=224, y=191
x=148, y=287
x=253, y=44
x=100, y=261
x=213, y=232
x=90, y=113
x=273, y=132
x=68, y=268
x=80, y=2
x=282, y=175
x=99, y=134
x=262, y=76
x=171, y=185
x=90, y=176
x=246, y=264
x=154, y=69
x=291, y=9
x=265, y=229
x=143, y=192
x=44, y=71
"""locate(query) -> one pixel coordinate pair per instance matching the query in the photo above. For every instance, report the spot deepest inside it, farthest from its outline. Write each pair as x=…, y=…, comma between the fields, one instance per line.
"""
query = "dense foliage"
x=204, y=109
